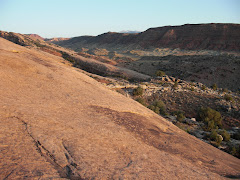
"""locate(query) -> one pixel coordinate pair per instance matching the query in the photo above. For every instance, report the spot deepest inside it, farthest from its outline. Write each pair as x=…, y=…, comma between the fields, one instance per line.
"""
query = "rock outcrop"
x=220, y=37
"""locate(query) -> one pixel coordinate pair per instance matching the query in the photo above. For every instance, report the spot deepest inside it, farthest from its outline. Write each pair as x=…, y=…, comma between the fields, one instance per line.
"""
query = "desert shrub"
x=67, y=57
x=141, y=101
x=180, y=115
x=216, y=137
x=39, y=45
x=154, y=109
x=228, y=97
x=151, y=107
x=157, y=110
x=214, y=86
x=225, y=90
x=210, y=117
x=210, y=125
x=233, y=151
x=158, y=107
x=159, y=103
x=160, y=73
x=138, y=91
x=162, y=107
x=225, y=135
x=213, y=135
x=203, y=87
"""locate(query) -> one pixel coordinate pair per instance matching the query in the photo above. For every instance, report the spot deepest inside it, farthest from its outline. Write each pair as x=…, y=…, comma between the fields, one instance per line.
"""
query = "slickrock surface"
x=59, y=123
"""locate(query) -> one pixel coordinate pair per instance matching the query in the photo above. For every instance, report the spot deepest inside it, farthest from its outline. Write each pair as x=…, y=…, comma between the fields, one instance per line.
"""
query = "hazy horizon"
x=77, y=18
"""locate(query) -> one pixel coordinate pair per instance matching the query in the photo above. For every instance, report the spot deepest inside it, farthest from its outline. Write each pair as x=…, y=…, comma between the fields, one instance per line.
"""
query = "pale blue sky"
x=68, y=18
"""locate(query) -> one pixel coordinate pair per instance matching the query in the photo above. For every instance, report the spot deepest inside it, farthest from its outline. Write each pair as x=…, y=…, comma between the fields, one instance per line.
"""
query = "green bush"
x=225, y=90
x=214, y=136
x=138, y=91
x=152, y=107
x=233, y=151
x=228, y=97
x=180, y=115
x=141, y=101
x=225, y=135
x=162, y=107
x=158, y=107
x=203, y=87
x=210, y=117
x=210, y=125
x=157, y=110
x=160, y=73
x=214, y=86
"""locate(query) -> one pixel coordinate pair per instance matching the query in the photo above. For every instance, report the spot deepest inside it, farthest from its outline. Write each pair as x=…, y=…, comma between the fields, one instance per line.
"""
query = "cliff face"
x=202, y=36
x=224, y=37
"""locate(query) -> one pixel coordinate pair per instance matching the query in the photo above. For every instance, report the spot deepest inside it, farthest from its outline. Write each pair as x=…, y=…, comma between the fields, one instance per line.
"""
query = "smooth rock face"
x=59, y=123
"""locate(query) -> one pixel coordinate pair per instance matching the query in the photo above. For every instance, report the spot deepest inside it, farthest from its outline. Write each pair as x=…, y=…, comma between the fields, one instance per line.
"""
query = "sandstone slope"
x=59, y=123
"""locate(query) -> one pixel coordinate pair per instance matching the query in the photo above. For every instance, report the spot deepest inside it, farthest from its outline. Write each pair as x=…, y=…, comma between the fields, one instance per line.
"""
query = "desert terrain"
x=58, y=120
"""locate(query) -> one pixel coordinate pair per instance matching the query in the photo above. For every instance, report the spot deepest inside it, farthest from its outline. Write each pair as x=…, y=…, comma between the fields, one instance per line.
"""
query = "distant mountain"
x=35, y=36
x=220, y=37
x=56, y=39
x=129, y=32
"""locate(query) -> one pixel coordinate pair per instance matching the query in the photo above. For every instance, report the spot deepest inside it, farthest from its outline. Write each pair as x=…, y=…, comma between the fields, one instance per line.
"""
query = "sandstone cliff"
x=220, y=37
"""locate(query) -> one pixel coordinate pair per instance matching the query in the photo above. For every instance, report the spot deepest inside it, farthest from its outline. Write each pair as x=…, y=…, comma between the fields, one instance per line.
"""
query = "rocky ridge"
x=218, y=37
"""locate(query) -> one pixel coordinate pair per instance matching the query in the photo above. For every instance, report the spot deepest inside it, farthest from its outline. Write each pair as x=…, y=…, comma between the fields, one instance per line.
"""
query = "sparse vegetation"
x=216, y=137
x=141, y=101
x=68, y=57
x=210, y=117
x=203, y=87
x=180, y=115
x=225, y=135
x=39, y=44
x=213, y=135
x=234, y=150
x=225, y=90
x=214, y=86
x=138, y=91
x=228, y=97
x=158, y=107
x=160, y=73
